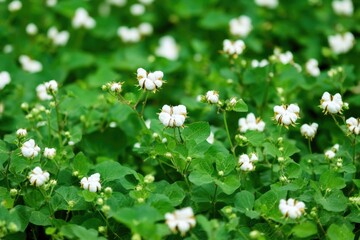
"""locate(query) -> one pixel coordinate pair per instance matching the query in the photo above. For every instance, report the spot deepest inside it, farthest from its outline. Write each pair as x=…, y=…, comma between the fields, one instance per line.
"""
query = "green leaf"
x=136, y=215
x=331, y=180
x=215, y=20
x=198, y=131
x=244, y=201
x=4, y=154
x=255, y=138
x=89, y=196
x=20, y=215
x=69, y=194
x=225, y=163
x=290, y=148
x=335, y=201
x=293, y=170
x=200, y=177
x=240, y=106
x=81, y=164
x=73, y=231
x=337, y=232
x=271, y=149
x=175, y=193
x=304, y=229
x=40, y=218
x=77, y=59
x=229, y=183
x=110, y=170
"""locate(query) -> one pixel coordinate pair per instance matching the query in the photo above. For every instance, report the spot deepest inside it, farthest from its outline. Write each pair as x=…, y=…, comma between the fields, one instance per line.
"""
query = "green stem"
x=228, y=134
x=137, y=102
x=181, y=139
x=108, y=225
x=354, y=150
x=143, y=105
x=309, y=145
x=58, y=119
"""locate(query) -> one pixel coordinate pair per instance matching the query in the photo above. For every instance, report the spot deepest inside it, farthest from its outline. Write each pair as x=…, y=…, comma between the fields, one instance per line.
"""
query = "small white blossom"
x=330, y=154
x=286, y=57
x=58, y=38
x=173, y=116
x=181, y=220
x=38, y=177
x=82, y=19
x=116, y=87
x=42, y=93
x=129, y=35
x=312, y=67
x=251, y=123
x=113, y=124
x=240, y=26
x=343, y=7
x=29, y=64
x=29, y=149
x=31, y=29
x=14, y=6
x=341, y=43
x=51, y=86
x=148, y=123
x=286, y=114
x=21, y=132
x=212, y=97
x=267, y=3
x=137, y=145
x=49, y=153
x=233, y=48
x=151, y=81
x=331, y=104
x=167, y=48
x=291, y=208
x=91, y=183
x=246, y=162
x=309, y=131
x=211, y=138
x=8, y=48
x=5, y=79
x=353, y=125
x=145, y=29
x=256, y=63
x=137, y=9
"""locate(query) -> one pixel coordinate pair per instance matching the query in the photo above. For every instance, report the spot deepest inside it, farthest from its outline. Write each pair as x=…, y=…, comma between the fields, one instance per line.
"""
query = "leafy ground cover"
x=159, y=119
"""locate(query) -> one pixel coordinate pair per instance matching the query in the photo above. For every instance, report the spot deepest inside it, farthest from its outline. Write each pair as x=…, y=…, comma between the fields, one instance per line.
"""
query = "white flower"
x=49, y=153
x=91, y=183
x=58, y=38
x=251, y=123
x=291, y=208
x=137, y=9
x=14, y=6
x=130, y=35
x=343, y=7
x=82, y=19
x=331, y=104
x=330, y=154
x=29, y=149
x=267, y=3
x=212, y=97
x=116, y=87
x=113, y=124
x=38, y=177
x=51, y=86
x=246, y=162
x=21, y=132
x=167, y=48
x=31, y=29
x=211, y=138
x=341, y=43
x=240, y=26
x=312, y=67
x=145, y=29
x=8, y=48
x=286, y=57
x=51, y=3
x=353, y=125
x=181, y=220
x=309, y=131
x=5, y=79
x=173, y=116
x=148, y=123
x=255, y=63
x=42, y=93
x=233, y=48
x=150, y=81
x=286, y=114
x=118, y=3
x=29, y=64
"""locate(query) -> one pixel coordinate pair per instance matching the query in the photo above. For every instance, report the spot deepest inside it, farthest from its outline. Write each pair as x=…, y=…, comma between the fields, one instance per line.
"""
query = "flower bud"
x=149, y=178
x=13, y=192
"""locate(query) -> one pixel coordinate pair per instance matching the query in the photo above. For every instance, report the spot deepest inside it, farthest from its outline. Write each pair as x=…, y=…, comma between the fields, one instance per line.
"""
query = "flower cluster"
x=233, y=48
x=286, y=114
x=30, y=65
x=251, y=123
x=246, y=161
x=330, y=154
x=267, y=3
x=29, y=149
x=262, y=63
x=150, y=81
x=173, y=116
x=291, y=208
x=167, y=48
x=21, y=132
x=331, y=104
x=212, y=97
x=91, y=183
x=4, y=79
x=38, y=177
x=82, y=19
x=44, y=91
x=353, y=125
x=49, y=153
x=343, y=7
x=341, y=43
x=58, y=38
x=240, y=26
x=133, y=34
x=312, y=67
x=284, y=58
x=309, y=131
x=181, y=220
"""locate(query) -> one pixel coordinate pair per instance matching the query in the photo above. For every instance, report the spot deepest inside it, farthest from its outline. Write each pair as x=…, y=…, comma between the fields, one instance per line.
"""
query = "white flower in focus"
x=116, y=87
x=173, y=116
x=240, y=26
x=5, y=79
x=233, y=48
x=29, y=64
x=58, y=38
x=331, y=104
x=21, y=132
x=341, y=43
x=151, y=81
x=291, y=208
x=212, y=97
x=353, y=125
x=38, y=177
x=256, y=63
x=286, y=114
x=29, y=149
x=49, y=153
x=167, y=48
x=14, y=6
x=145, y=29
x=312, y=67
x=309, y=131
x=118, y=3
x=129, y=35
x=91, y=183
x=267, y=3
x=211, y=138
x=51, y=3
x=246, y=162
x=42, y=93
x=31, y=29
x=251, y=123
x=343, y=7
x=137, y=9
x=82, y=19
x=181, y=220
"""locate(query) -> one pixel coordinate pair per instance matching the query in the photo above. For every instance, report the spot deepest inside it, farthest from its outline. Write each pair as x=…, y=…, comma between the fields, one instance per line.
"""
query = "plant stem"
x=228, y=134
x=309, y=145
x=181, y=139
x=354, y=150
x=58, y=119
x=143, y=105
